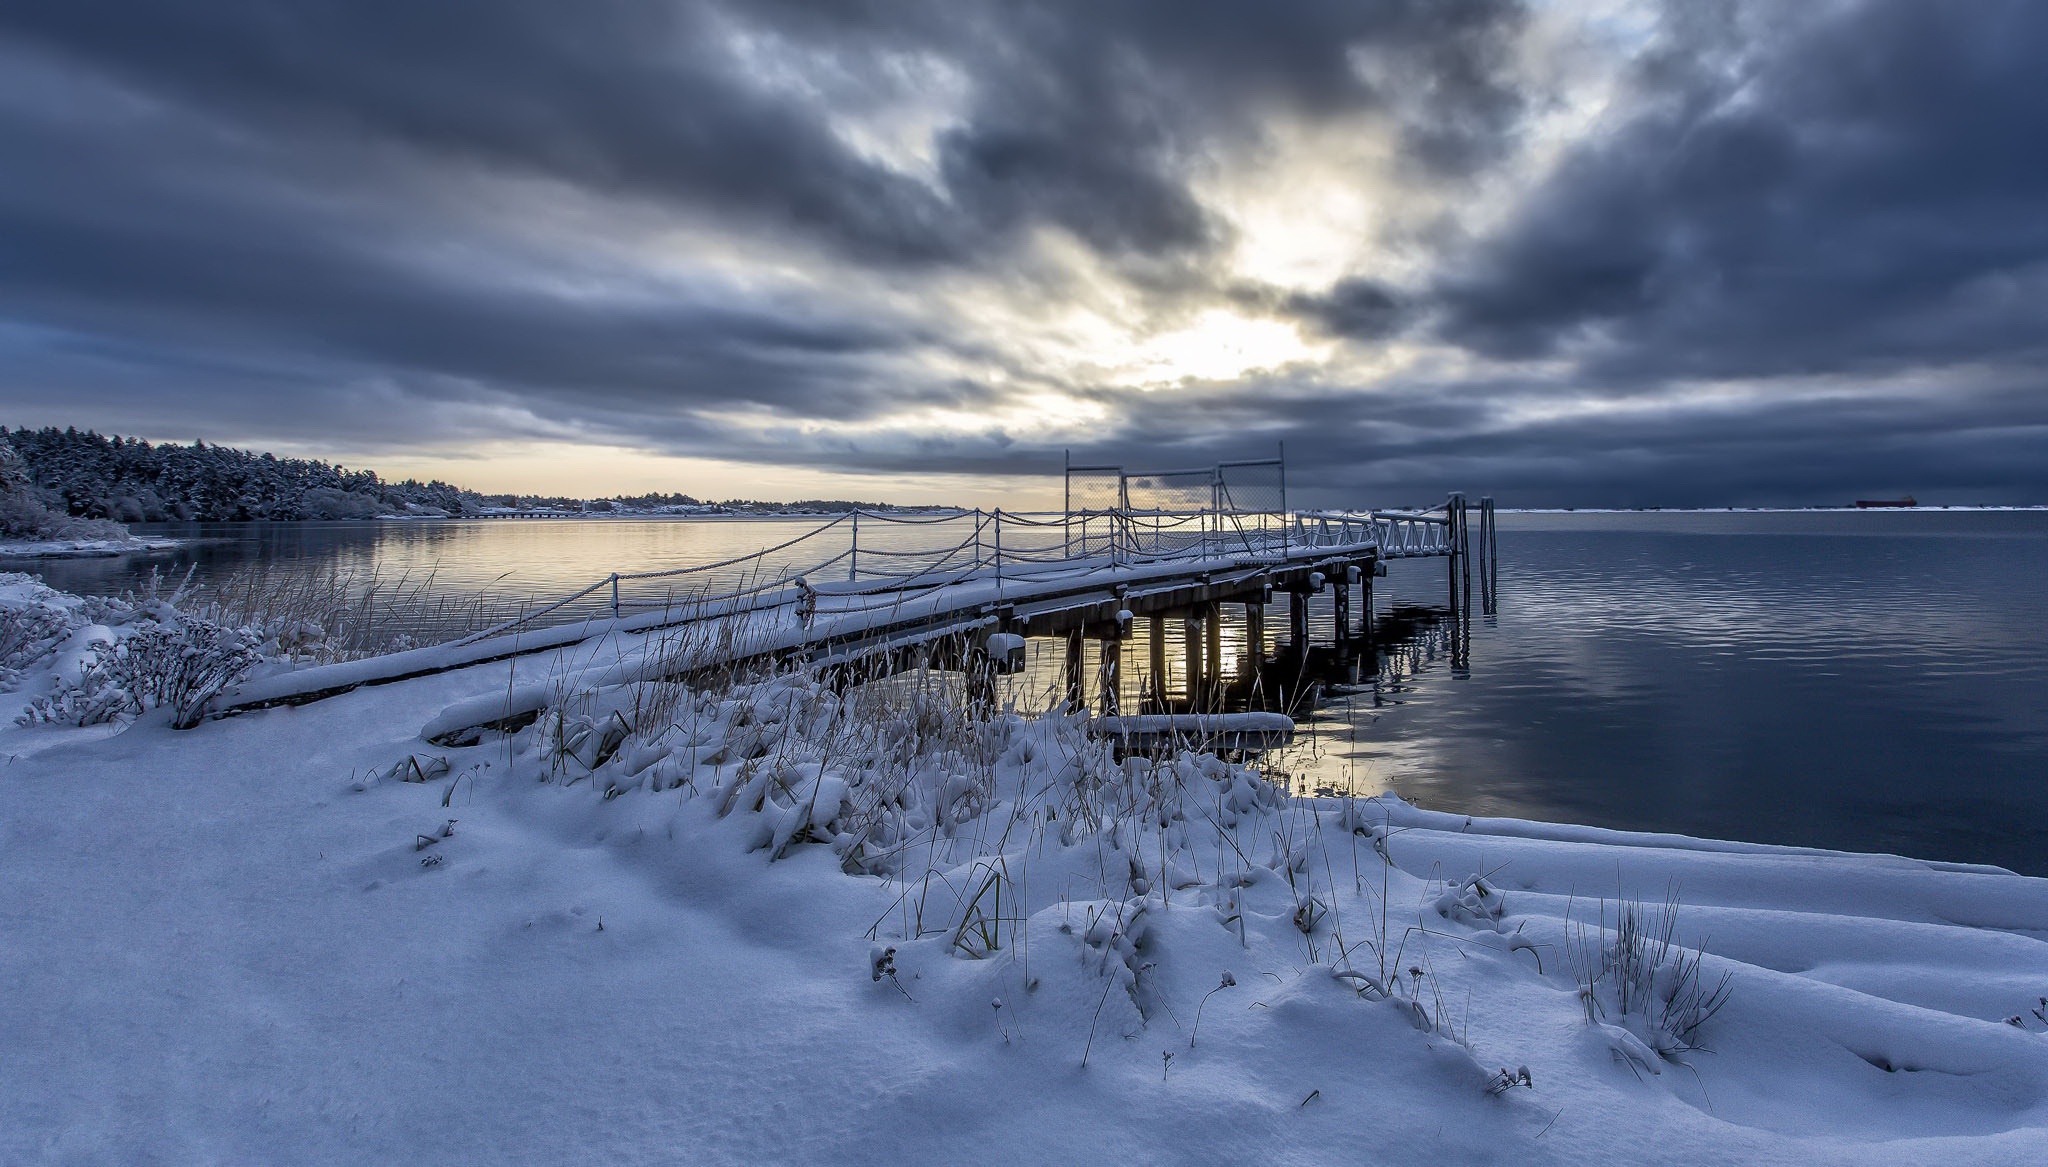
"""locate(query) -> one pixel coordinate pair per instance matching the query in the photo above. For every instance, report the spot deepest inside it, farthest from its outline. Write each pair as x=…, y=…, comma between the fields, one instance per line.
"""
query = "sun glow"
x=1218, y=345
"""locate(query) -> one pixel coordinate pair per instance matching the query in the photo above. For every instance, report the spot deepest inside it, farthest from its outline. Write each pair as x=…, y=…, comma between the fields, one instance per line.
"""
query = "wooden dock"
x=890, y=601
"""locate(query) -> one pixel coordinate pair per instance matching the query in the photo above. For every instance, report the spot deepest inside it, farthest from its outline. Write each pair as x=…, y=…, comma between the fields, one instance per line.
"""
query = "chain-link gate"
x=1124, y=514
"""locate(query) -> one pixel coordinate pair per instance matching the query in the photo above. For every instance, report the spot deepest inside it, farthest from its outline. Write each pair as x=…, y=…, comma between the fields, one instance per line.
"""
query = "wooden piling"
x=1076, y=691
x=1489, y=551
x=1342, y=599
x=1255, y=635
x=1464, y=544
x=1212, y=668
x=1156, y=643
x=1112, y=673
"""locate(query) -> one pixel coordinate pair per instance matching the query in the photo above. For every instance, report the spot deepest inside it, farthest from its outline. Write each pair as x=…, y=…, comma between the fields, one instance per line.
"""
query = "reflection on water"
x=1841, y=680
x=1868, y=681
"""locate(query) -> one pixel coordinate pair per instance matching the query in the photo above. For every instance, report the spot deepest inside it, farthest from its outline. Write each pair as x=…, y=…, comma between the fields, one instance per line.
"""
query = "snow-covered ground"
x=773, y=924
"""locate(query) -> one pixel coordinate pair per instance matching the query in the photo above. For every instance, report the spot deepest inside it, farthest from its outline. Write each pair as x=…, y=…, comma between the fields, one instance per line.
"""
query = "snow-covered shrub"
x=1470, y=901
x=23, y=517
x=28, y=636
x=177, y=666
x=1638, y=983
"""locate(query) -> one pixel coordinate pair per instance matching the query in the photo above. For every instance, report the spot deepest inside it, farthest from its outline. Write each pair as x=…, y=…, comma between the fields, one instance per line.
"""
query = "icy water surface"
x=1866, y=681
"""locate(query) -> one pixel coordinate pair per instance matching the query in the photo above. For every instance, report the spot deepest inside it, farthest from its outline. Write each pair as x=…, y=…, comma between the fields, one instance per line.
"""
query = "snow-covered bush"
x=23, y=517
x=29, y=635
x=177, y=666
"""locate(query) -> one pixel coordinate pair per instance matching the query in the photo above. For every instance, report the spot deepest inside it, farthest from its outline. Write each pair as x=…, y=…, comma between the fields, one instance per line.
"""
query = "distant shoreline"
x=1815, y=510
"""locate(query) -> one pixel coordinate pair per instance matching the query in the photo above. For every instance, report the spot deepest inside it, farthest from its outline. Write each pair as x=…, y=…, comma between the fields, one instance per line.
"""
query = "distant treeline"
x=89, y=475
x=128, y=480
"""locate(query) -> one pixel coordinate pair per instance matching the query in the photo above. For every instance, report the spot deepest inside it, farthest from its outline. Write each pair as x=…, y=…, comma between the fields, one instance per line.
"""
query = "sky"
x=1574, y=252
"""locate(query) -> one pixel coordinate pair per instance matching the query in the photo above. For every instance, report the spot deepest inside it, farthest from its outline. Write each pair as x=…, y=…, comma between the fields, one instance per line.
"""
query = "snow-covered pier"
x=966, y=590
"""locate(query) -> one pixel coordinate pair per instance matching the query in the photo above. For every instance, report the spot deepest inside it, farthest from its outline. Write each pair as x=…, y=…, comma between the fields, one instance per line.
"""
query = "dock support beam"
x=1156, y=651
x=1489, y=563
x=1212, y=666
x=1454, y=513
x=1112, y=672
x=1297, y=620
x=981, y=676
x=1343, y=602
x=1192, y=651
x=1077, y=694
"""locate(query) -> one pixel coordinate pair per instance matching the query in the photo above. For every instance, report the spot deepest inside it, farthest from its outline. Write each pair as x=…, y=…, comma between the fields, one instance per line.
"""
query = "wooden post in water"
x=1451, y=509
x=1191, y=649
x=1112, y=670
x=1365, y=600
x=1212, y=667
x=1156, y=644
x=1077, y=695
x=1465, y=541
x=1342, y=598
x=1255, y=635
x=981, y=675
x=1490, y=563
x=1297, y=620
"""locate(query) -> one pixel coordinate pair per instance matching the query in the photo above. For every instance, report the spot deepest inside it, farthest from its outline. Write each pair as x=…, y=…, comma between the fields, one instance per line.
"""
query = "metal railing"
x=870, y=560
x=1397, y=534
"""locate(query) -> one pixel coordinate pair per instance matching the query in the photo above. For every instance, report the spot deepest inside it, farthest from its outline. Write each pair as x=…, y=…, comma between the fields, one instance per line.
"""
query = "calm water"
x=1861, y=681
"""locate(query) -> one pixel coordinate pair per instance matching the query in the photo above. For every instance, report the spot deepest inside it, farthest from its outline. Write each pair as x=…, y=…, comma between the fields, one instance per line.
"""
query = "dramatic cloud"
x=1575, y=251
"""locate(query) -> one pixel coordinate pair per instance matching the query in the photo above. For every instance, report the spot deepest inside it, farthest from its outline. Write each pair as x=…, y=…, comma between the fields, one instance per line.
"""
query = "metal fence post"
x=615, y=595
x=853, y=556
x=1066, y=511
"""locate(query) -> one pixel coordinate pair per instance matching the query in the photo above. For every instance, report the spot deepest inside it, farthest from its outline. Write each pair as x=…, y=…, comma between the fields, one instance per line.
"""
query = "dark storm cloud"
x=1860, y=190
x=192, y=244
x=1414, y=443
x=1355, y=307
x=647, y=223
x=1080, y=117
x=1090, y=122
x=285, y=182
x=631, y=96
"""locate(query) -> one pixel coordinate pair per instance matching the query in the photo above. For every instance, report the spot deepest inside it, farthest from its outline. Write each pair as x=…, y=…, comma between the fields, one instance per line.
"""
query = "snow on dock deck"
x=769, y=621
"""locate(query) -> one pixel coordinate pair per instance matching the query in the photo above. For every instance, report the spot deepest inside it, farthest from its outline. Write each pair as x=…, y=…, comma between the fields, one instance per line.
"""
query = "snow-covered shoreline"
x=85, y=548
x=767, y=923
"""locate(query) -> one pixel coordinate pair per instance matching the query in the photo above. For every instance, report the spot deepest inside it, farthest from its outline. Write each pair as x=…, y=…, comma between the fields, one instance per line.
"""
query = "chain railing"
x=887, y=558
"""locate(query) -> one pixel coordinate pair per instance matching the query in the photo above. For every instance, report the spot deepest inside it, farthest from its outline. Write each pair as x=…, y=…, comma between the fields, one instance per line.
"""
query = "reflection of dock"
x=969, y=591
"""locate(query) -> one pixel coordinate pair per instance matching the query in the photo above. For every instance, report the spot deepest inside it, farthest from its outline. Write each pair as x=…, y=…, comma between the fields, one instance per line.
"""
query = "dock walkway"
x=901, y=593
